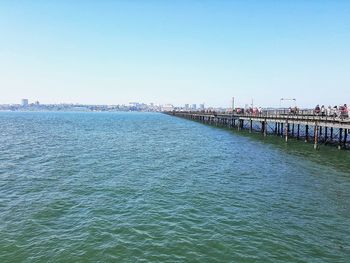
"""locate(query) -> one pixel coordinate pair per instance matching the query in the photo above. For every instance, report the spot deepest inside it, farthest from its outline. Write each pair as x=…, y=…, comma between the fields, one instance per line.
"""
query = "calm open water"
x=135, y=187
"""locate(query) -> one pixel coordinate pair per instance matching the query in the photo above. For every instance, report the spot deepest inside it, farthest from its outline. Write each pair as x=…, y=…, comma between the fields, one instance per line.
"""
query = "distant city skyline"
x=178, y=52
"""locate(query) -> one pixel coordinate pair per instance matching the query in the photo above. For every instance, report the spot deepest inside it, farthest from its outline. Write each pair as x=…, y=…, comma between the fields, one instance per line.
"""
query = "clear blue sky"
x=110, y=52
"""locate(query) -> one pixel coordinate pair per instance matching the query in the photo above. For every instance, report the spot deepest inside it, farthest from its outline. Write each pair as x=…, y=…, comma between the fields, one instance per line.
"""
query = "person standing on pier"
x=323, y=111
x=344, y=111
x=335, y=111
x=317, y=109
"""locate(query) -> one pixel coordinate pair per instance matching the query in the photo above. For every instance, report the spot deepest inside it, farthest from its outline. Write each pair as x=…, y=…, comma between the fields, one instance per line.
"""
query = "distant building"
x=37, y=103
x=134, y=104
x=168, y=107
x=201, y=106
x=187, y=106
x=194, y=106
x=25, y=102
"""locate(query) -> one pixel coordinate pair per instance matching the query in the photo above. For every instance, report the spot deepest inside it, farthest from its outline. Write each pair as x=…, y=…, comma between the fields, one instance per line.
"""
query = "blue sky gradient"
x=111, y=52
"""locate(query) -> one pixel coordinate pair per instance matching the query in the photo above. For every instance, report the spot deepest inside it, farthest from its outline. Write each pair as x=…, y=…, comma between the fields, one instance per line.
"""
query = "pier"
x=304, y=125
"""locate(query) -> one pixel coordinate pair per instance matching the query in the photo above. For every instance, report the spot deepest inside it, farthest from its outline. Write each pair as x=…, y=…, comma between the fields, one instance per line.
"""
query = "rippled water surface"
x=134, y=187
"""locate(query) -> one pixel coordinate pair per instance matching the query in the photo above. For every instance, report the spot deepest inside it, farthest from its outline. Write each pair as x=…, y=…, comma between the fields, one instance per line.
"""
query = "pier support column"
x=345, y=138
x=325, y=134
x=251, y=126
x=316, y=129
x=298, y=131
x=340, y=138
x=265, y=128
x=331, y=136
x=275, y=127
x=281, y=129
x=293, y=130
x=306, y=133
x=286, y=131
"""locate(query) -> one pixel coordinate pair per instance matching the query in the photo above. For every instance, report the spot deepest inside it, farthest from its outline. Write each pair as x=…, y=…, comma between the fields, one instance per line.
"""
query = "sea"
x=148, y=187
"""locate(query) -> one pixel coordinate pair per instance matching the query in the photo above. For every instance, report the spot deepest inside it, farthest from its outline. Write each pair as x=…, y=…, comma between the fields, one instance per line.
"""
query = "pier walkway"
x=304, y=125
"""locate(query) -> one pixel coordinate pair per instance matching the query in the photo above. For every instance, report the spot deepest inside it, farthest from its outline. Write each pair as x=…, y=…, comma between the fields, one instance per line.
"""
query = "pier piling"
x=345, y=138
x=340, y=138
x=316, y=130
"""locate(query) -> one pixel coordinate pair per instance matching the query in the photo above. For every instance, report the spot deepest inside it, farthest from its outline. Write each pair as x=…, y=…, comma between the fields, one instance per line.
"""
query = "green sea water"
x=143, y=187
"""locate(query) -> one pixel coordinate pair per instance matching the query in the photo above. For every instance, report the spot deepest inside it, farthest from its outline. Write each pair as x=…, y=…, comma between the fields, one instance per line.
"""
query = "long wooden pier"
x=303, y=126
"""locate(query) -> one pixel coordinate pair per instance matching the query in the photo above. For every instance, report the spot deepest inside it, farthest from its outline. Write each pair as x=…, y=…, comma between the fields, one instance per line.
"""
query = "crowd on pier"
x=341, y=111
